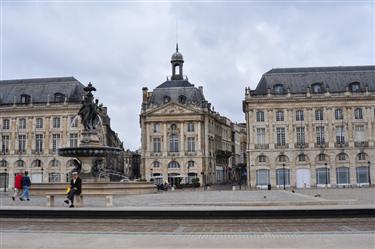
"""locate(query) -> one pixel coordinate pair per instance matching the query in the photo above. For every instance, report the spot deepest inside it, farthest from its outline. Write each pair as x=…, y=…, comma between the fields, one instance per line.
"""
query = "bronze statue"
x=90, y=111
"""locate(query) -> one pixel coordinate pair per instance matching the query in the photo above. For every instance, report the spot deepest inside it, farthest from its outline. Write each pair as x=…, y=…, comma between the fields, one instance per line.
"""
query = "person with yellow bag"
x=75, y=188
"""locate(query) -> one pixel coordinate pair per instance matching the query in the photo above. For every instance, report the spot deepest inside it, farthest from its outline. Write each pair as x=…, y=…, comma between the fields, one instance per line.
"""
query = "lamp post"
x=203, y=180
x=151, y=174
x=284, y=174
x=326, y=174
x=369, y=177
x=42, y=175
x=188, y=168
x=5, y=180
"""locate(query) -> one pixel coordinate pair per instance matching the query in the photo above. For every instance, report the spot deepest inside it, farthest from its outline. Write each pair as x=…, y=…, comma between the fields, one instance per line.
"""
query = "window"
x=342, y=175
x=25, y=99
x=59, y=97
x=157, y=144
x=300, y=135
x=73, y=140
x=38, y=143
x=282, y=159
x=363, y=174
x=320, y=139
x=190, y=127
x=358, y=113
x=359, y=133
x=22, y=123
x=339, y=115
x=73, y=122
x=355, y=87
x=261, y=135
x=36, y=163
x=54, y=163
x=55, y=142
x=263, y=177
x=156, y=128
x=191, y=144
x=278, y=89
x=260, y=116
x=174, y=128
x=39, y=123
x=340, y=135
x=280, y=136
x=166, y=99
x=322, y=176
x=173, y=165
x=319, y=115
x=3, y=163
x=191, y=164
x=362, y=156
x=279, y=116
x=182, y=99
x=20, y=163
x=342, y=157
x=299, y=115
x=317, y=88
x=173, y=143
x=5, y=144
x=56, y=122
x=262, y=159
x=6, y=124
x=282, y=174
x=156, y=164
x=22, y=143
x=301, y=157
x=54, y=177
x=321, y=157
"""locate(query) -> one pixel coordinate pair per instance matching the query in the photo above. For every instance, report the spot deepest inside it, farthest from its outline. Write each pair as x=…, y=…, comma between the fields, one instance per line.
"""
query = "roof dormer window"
x=355, y=87
x=59, y=97
x=166, y=99
x=317, y=88
x=278, y=89
x=182, y=99
x=25, y=99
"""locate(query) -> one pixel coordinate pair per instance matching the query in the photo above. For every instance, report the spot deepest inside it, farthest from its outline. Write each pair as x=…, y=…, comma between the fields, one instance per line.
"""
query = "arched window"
x=3, y=163
x=322, y=157
x=361, y=156
x=282, y=159
x=355, y=87
x=190, y=164
x=302, y=158
x=173, y=128
x=342, y=157
x=262, y=159
x=317, y=88
x=20, y=163
x=156, y=164
x=166, y=99
x=54, y=163
x=173, y=165
x=36, y=163
x=182, y=99
x=358, y=113
x=59, y=97
x=278, y=89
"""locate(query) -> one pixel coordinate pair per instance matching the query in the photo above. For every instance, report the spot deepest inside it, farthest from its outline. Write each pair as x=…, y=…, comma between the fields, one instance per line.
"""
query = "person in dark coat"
x=75, y=189
x=26, y=183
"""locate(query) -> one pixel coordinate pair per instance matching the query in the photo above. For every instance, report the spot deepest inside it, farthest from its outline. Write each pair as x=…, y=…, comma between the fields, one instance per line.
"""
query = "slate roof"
x=174, y=89
x=298, y=79
x=39, y=89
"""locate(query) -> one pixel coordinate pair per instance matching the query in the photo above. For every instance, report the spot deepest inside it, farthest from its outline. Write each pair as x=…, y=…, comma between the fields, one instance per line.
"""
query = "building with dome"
x=312, y=127
x=182, y=136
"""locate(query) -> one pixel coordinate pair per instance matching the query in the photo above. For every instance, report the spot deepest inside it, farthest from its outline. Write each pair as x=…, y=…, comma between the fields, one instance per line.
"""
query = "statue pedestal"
x=90, y=138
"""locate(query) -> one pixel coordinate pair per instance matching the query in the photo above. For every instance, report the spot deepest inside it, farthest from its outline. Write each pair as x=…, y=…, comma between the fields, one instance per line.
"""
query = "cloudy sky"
x=123, y=46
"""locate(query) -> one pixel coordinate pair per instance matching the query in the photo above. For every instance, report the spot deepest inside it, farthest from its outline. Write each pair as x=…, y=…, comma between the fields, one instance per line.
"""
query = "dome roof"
x=177, y=56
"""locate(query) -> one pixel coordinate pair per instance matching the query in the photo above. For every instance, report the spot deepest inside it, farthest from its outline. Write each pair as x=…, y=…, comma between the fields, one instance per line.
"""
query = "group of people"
x=22, y=185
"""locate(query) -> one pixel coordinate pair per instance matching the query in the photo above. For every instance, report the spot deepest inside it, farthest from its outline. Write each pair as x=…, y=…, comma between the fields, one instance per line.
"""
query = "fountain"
x=89, y=150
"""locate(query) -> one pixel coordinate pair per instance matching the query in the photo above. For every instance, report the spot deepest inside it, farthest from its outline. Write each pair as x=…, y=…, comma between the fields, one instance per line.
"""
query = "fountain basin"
x=89, y=151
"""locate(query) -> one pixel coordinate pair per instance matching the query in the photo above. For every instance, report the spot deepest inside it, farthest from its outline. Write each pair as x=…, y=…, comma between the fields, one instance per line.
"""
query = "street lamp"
x=203, y=180
x=42, y=174
x=369, y=178
x=151, y=174
x=5, y=180
x=188, y=168
x=284, y=174
x=326, y=174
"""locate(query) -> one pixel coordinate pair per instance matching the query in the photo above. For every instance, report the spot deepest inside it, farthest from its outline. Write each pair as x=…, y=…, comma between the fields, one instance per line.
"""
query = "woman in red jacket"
x=17, y=186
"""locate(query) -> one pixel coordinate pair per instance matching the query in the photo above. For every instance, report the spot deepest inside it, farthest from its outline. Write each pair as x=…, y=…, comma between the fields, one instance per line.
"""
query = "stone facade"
x=132, y=161
x=182, y=136
x=312, y=127
x=39, y=117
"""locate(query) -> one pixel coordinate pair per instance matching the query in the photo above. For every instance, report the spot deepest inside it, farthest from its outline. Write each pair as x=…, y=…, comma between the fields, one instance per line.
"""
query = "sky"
x=122, y=46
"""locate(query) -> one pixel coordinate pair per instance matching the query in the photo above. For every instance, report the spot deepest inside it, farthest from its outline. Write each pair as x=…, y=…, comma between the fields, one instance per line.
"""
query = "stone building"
x=132, y=161
x=312, y=127
x=239, y=138
x=182, y=136
x=38, y=116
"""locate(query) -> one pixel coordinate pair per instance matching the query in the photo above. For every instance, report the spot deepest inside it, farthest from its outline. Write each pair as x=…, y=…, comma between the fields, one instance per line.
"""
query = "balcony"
x=191, y=153
x=321, y=145
x=262, y=146
x=285, y=146
x=361, y=144
x=341, y=145
x=299, y=145
x=155, y=153
x=37, y=152
x=173, y=153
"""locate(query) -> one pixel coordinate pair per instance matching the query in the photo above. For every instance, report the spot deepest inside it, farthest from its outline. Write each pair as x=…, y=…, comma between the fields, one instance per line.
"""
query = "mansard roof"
x=297, y=80
x=41, y=90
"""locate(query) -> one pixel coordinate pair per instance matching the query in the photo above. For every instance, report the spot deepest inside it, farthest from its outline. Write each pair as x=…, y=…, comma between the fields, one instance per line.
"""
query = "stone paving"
x=186, y=198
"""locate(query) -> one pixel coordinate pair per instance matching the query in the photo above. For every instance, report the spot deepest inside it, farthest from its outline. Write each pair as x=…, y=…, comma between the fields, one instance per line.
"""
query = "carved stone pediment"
x=172, y=109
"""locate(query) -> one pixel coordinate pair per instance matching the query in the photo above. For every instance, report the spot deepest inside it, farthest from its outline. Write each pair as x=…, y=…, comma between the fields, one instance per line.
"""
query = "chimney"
x=144, y=94
x=201, y=89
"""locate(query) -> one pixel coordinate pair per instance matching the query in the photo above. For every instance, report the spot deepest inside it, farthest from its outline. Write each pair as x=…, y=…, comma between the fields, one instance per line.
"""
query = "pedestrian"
x=26, y=183
x=17, y=186
x=75, y=189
